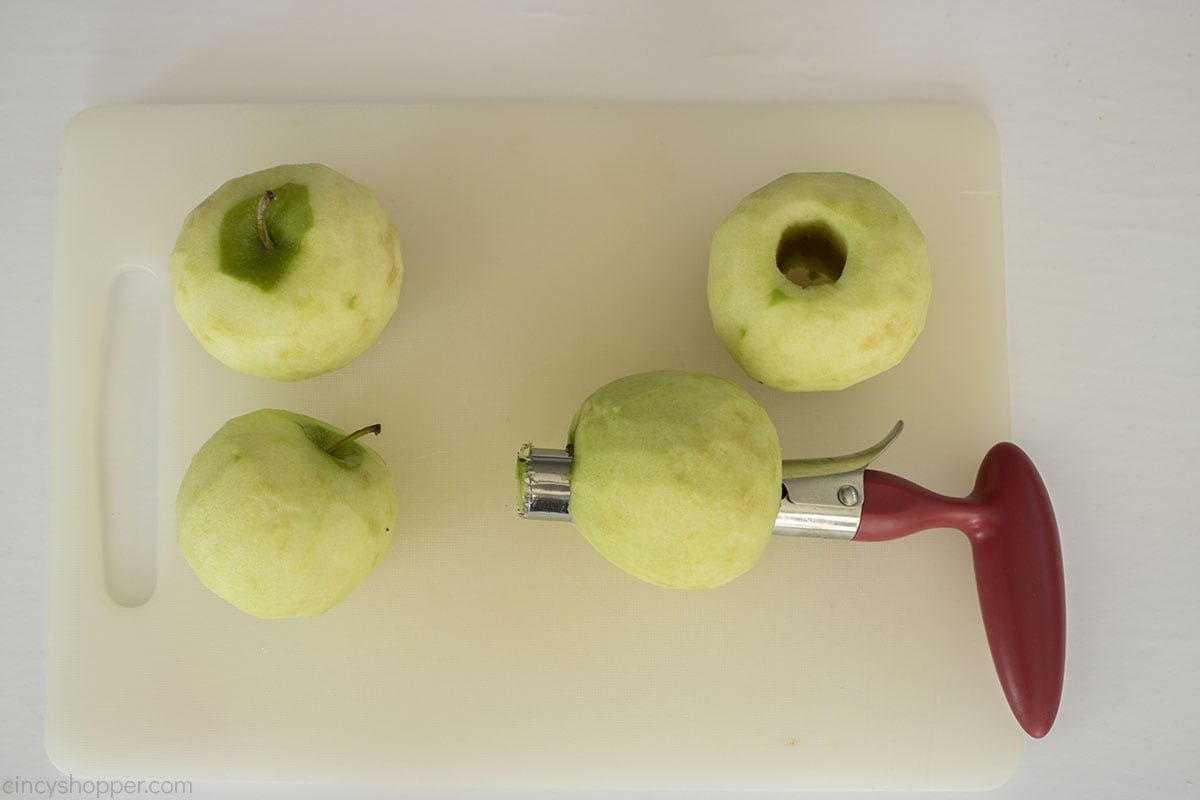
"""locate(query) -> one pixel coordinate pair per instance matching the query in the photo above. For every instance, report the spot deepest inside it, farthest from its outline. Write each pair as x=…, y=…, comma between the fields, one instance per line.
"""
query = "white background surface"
x=1098, y=108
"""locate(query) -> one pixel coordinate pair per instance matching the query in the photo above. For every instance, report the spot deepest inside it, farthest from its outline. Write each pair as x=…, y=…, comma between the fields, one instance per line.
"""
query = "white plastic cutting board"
x=548, y=250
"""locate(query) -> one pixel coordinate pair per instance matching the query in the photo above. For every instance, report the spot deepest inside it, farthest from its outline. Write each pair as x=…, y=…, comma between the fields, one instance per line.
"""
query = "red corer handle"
x=1018, y=568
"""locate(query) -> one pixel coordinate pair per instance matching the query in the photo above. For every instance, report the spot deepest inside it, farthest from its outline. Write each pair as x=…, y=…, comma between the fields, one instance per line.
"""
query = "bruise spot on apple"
x=393, y=274
x=747, y=494
x=892, y=331
x=776, y=297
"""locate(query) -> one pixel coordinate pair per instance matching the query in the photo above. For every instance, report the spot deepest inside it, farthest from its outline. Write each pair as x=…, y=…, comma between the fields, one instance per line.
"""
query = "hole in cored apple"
x=810, y=255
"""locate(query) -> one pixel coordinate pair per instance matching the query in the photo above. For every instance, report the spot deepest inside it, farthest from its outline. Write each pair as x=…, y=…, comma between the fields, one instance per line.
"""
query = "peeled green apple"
x=675, y=477
x=287, y=273
x=283, y=515
x=818, y=281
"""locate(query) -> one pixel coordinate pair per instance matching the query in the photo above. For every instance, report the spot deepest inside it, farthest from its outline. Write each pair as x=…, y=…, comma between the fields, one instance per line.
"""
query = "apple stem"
x=263, y=236
x=350, y=437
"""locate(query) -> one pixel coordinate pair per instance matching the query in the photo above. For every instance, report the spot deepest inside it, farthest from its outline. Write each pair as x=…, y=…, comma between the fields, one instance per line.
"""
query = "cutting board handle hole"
x=127, y=430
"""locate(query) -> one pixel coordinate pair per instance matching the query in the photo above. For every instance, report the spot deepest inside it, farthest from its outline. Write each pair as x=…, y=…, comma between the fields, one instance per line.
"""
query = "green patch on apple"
x=283, y=515
x=287, y=273
x=675, y=477
x=261, y=236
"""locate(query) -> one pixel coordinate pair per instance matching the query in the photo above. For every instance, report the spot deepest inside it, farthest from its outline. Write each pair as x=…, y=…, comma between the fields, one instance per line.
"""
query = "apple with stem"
x=287, y=273
x=283, y=515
